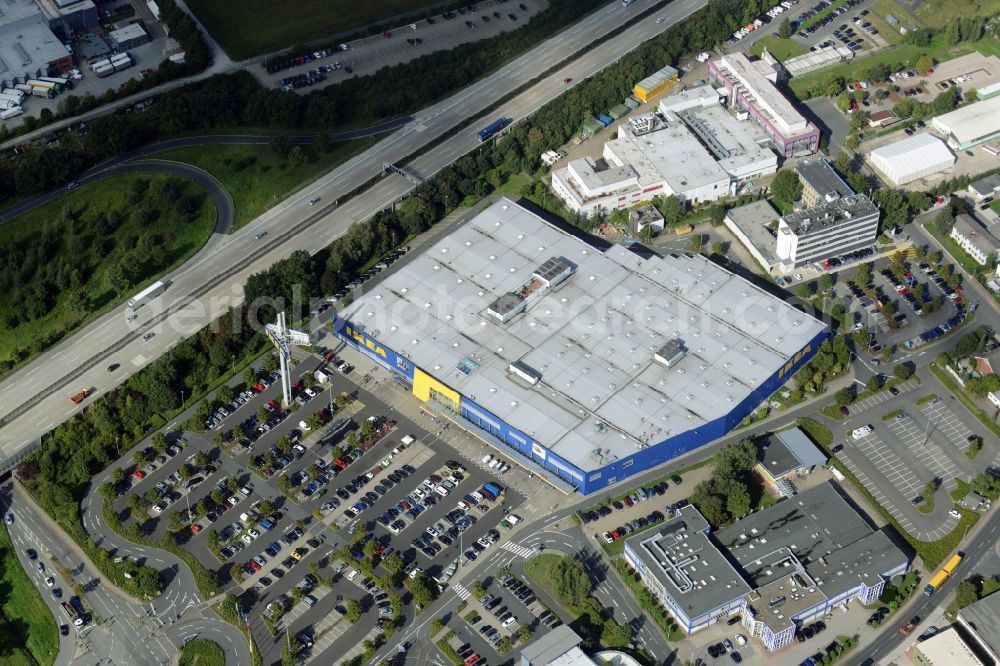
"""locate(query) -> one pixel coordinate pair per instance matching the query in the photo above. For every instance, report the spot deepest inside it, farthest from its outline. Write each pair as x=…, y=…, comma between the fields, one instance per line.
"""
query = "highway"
x=35, y=399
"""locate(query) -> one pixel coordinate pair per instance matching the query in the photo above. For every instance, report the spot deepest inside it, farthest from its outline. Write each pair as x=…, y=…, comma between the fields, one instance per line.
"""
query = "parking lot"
x=264, y=509
x=407, y=42
x=915, y=438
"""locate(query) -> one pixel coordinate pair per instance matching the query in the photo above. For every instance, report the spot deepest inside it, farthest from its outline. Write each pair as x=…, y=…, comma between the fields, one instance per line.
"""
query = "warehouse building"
x=27, y=45
x=830, y=229
x=970, y=125
x=911, y=158
x=981, y=621
x=129, y=37
x=692, y=148
x=820, y=182
x=974, y=238
x=750, y=85
x=561, y=647
x=656, y=84
x=69, y=16
x=778, y=568
x=583, y=361
x=818, y=59
x=985, y=189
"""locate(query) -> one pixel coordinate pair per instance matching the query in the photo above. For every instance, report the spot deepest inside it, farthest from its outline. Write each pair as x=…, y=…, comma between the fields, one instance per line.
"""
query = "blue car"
x=273, y=549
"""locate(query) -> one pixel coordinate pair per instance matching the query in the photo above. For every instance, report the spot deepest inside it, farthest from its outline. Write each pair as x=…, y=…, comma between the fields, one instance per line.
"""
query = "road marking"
x=460, y=590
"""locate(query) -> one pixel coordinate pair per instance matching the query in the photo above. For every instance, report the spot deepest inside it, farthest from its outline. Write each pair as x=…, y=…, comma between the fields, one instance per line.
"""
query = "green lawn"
x=26, y=626
x=256, y=177
x=996, y=206
x=904, y=55
x=942, y=12
x=202, y=652
x=263, y=27
x=782, y=49
x=82, y=254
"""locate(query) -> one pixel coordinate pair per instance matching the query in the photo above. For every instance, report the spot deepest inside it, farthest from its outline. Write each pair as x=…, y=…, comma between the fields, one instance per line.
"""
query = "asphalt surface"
x=35, y=398
x=119, y=630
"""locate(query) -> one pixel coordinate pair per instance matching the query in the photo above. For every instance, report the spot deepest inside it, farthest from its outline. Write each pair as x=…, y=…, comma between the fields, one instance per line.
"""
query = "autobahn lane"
x=36, y=397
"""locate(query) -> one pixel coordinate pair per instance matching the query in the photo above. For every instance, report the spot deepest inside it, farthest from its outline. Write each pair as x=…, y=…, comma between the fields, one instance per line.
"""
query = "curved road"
x=35, y=399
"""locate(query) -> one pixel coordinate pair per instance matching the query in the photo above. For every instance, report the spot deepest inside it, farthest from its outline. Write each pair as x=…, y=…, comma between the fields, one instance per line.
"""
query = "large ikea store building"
x=585, y=362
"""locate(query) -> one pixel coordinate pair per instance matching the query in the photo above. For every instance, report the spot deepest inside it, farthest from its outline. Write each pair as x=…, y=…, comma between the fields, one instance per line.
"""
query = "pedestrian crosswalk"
x=518, y=549
x=460, y=590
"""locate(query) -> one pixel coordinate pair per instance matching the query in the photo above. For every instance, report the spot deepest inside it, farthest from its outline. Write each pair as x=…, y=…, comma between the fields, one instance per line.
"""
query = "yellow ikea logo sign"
x=363, y=340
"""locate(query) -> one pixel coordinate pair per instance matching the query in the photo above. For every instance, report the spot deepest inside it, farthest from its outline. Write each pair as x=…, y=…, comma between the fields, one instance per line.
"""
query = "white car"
x=305, y=426
x=741, y=639
x=863, y=431
x=310, y=392
x=487, y=460
x=50, y=581
x=798, y=277
x=511, y=620
x=954, y=513
x=659, y=20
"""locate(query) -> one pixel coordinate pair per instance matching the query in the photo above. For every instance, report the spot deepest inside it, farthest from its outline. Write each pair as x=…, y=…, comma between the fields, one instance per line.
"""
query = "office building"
x=974, y=238
x=985, y=189
x=692, y=148
x=981, y=621
x=827, y=230
x=69, y=16
x=778, y=568
x=561, y=647
x=583, y=361
x=755, y=225
x=129, y=37
x=750, y=85
x=786, y=455
x=820, y=182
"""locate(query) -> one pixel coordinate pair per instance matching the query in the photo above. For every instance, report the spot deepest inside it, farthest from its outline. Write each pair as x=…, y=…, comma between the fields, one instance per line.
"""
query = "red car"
x=329, y=357
x=472, y=659
x=273, y=404
x=844, y=411
x=567, y=80
x=254, y=565
x=380, y=550
x=195, y=528
x=139, y=474
x=387, y=34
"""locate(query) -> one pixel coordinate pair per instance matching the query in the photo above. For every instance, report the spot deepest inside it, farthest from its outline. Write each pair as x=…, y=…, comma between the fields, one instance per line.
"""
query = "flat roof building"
x=982, y=621
x=656, y=83
x=830, y=229
x=751, y=86
x=974, y=238
x=945, y=648
x=543, y=343
x=696, y=153
x=970, y=125
x=911, y=158
x=129, y=36
x=820, y=181
x=27, y=46
x=755, y=225
x=817, y=59
x=561, y=647
x=69, y=15
x=787, y=454
x=779, y=568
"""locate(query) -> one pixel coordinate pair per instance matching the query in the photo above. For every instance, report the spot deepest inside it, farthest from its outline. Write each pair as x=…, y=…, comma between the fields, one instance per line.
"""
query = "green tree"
x=845, y=396
x=671, y=208
x=353, y=611
x=478, y=590
x=270, y=363
x=570, y=581
x=826, y=281
x=786, y=186
x=718, y=248
x=785, y=29
x=713, y=509
x=738, y=500
x=902, y=371
x=159, y=442
x=924, y=63
x=614, y=635
x=249, y=376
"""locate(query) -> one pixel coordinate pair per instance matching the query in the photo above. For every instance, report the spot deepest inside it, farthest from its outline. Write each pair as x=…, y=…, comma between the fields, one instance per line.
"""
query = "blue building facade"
x=519, y=445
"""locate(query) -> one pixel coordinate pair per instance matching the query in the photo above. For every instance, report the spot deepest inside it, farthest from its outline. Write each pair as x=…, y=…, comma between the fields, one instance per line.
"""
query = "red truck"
x=909, y=626
x=80, y=396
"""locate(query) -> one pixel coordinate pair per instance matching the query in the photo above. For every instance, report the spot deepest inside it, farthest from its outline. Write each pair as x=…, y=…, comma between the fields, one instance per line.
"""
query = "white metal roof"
x=919, y=154
x=592, y=338
x=972, y=121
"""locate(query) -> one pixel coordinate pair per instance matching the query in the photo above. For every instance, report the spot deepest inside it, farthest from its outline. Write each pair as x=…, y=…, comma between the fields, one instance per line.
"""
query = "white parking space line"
x=890, y=465
x=880, y=397
x=946, y=422
x=929, y=453
x=300, y=608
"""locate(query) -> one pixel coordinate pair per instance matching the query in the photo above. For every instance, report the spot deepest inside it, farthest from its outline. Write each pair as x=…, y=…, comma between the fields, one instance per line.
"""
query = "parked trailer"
x=13, y=92
x=122, y=61
x=38, y=83
x=100, y=63
x=7, y=104
x=604, y=120
x=943, y=575
x=42, y=92
x=58, y=80
x=23, y=87
x=103, y=70
x=11, y=112
x=72, y=614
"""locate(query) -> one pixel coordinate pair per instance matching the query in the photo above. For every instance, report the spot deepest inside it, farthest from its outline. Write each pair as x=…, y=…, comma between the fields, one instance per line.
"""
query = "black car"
x=63, y=630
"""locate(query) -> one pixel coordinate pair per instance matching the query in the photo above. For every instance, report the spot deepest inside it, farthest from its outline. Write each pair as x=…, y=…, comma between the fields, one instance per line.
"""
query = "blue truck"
x=491, y=490
x=604, y=120
x=493, y=128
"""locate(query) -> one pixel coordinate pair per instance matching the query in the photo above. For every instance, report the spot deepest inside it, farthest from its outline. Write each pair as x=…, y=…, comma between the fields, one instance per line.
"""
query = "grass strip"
x=35, y=638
